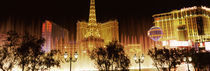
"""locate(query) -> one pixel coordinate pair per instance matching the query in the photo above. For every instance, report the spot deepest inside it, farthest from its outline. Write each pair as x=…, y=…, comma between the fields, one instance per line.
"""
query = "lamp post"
x=70, y=58
x=188, y=60
x=139, y=60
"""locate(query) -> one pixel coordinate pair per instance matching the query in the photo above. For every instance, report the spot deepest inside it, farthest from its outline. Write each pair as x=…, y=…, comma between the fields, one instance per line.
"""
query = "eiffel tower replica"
x=93, y=34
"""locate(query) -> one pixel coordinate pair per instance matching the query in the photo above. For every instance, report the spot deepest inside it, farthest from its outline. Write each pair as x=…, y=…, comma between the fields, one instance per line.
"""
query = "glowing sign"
x=176, y=43
x=43, y=27
x=206, y=8
x=207, y=46
x=164, y=43
x=189, y=8
x=201, y=44
x=155, y=33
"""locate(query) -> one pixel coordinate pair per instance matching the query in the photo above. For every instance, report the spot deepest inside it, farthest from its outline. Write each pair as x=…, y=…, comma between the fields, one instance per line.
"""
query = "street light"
x=70, y=58
x=139, y=60
x=188, y=60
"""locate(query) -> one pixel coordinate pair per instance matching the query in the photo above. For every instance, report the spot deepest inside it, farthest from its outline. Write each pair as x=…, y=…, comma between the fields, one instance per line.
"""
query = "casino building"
x=92, y=34
x=184, y=27
x=56, y=37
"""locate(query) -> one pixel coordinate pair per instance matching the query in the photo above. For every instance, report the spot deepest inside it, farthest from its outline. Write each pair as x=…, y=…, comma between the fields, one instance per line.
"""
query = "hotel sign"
x=175, y=43
x=155, y=33
x=207, y=46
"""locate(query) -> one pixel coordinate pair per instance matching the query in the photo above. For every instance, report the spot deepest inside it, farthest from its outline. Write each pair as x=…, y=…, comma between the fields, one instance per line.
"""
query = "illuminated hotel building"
x=56, y=37
x=93, y=34
x=188, y=24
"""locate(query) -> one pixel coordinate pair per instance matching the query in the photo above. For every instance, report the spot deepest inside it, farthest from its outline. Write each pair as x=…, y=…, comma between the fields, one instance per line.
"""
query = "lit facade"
x=56, y=37
x=93, y=34
x=188, y=24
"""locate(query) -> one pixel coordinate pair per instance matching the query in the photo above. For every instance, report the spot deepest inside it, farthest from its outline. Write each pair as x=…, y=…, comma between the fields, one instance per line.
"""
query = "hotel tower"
x=184, y=27
x=93, y=34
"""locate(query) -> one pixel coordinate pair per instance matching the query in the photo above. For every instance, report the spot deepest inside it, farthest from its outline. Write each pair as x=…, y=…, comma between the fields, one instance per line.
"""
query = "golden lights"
x=196, y=20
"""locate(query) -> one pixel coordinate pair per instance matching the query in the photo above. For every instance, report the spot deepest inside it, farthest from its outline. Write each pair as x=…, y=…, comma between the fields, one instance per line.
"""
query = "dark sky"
x=131, y=14
x=104, y=7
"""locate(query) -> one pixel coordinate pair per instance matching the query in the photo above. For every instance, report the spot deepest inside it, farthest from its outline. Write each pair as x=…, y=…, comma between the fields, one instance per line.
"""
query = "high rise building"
x=56, y=37
x=187, y=24
x=93, y=34
x=107, y=31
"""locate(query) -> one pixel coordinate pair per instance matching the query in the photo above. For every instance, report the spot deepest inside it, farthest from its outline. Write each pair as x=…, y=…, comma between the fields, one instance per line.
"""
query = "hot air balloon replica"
x=155, y=33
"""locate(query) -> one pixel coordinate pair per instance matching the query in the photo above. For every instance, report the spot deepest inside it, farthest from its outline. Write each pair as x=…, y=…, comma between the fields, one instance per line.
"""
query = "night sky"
x=105, y=8
x=133, y=15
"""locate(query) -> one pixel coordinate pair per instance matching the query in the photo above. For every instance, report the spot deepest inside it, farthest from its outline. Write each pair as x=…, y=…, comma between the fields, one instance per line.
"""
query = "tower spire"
x=92, y=13
x=92, y=28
